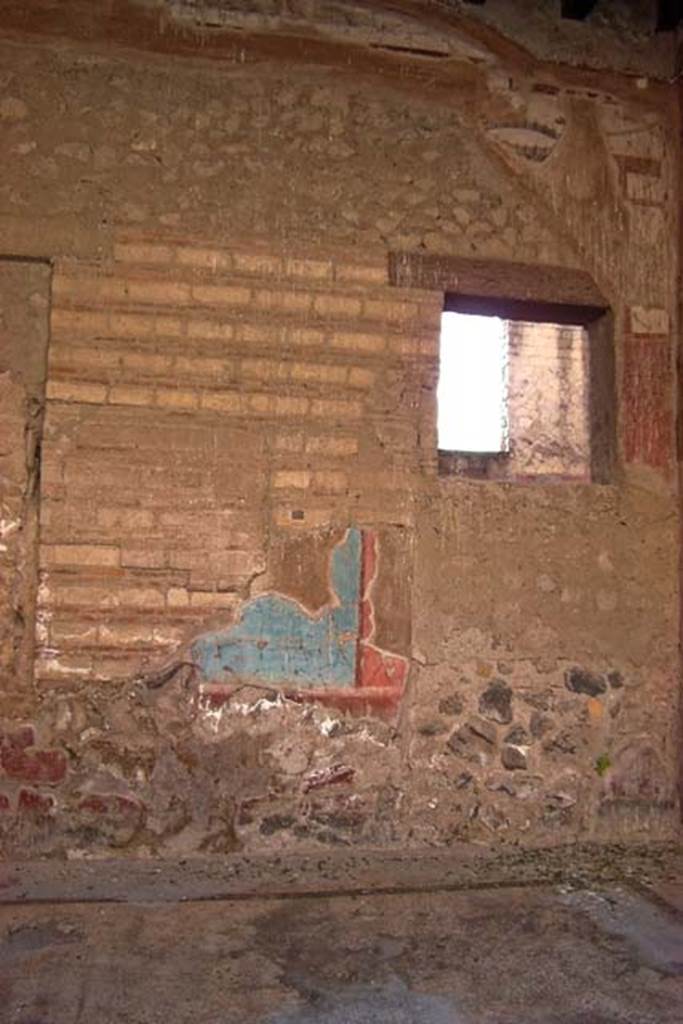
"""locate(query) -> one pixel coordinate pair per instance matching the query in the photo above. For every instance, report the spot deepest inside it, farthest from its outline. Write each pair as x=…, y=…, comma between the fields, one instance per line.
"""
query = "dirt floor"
x=569, y=936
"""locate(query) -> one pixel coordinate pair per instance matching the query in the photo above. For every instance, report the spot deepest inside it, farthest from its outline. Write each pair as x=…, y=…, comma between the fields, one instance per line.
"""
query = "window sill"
x=498, y=467
x=474, y=465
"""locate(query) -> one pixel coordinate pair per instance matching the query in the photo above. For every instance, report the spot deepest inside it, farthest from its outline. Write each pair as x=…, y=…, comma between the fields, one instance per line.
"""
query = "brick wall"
x=200, y=400
x=234, y=387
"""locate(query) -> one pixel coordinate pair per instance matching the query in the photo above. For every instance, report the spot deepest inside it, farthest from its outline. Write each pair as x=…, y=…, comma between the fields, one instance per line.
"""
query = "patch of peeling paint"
x=276, y=640
x=328, y=656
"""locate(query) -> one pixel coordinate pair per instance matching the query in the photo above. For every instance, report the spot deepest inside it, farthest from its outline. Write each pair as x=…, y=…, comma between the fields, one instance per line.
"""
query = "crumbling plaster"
x=543, y=688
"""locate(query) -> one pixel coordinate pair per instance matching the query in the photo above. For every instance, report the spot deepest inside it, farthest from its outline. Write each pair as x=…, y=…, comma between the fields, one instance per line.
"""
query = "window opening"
x=472, y=389
x=513, y=398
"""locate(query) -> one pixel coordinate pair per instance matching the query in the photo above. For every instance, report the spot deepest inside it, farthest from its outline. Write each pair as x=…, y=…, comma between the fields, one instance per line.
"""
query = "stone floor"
x=345, y=939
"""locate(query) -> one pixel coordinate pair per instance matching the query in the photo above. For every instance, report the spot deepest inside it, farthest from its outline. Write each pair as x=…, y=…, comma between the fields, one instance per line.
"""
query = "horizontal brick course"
x=357, y=342
x=310, y=270
x=144, y=558
x=336, y=409
x=177, y=398
x=141, y=252
x=187, y=383
x=79, y=555
x=89, y=290
x=273, y=301
x=210, y=329
x=390, y=312
x=366, y=274
x=338, y=306
x=304, y=336
x=75, y=391
x=65, y=322
x=329, y=482
x=331, y=445
x=292, y=478
x=259, y=264
x=210, y=259
x=212, y=599
x=64, y=594
x=222, y=295
x=222, y=401
x=131, y=395
x=286, y=517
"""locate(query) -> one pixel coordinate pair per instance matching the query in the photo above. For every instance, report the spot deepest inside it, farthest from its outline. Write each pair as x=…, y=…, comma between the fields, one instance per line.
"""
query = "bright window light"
x=472, y=390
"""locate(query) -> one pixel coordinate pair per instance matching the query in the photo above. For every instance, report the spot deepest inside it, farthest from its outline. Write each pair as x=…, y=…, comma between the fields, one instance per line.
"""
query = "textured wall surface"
x=548, y=377
x=235, y=390
x=24, y=295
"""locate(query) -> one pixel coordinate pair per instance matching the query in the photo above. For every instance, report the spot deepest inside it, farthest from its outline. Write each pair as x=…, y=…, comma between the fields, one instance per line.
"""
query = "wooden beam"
x=518, y=291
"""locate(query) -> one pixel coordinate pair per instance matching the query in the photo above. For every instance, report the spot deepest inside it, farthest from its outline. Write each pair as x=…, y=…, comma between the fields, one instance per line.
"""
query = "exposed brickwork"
x=234, y=381
x=155, y=507
x=40, y=766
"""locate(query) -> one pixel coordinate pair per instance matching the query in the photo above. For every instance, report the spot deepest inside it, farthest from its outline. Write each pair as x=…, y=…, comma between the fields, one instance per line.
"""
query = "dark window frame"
x=535, y=293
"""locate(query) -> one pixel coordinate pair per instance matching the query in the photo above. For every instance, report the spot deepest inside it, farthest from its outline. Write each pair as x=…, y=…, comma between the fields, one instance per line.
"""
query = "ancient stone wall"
x=264, y=617
x=200, y=400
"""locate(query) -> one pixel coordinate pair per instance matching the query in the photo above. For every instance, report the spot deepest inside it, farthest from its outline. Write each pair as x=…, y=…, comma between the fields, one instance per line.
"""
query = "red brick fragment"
x=31, y=765
x=31, y=801
x=111, y=805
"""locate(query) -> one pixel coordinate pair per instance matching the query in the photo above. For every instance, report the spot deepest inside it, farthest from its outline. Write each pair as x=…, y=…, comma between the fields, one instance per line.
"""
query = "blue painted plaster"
x=275, y=640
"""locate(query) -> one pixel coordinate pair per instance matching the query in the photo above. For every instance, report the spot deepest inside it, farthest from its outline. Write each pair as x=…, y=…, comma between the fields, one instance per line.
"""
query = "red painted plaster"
x=647, y=402
x=380, y=675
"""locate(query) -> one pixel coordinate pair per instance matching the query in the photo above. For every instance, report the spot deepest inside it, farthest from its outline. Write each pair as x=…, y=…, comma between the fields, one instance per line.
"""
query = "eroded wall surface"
x=236, y=391
x=24, y=297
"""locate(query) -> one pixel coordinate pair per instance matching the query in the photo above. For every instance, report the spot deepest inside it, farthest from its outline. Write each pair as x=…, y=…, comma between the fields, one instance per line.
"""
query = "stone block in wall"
x=649, y=320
